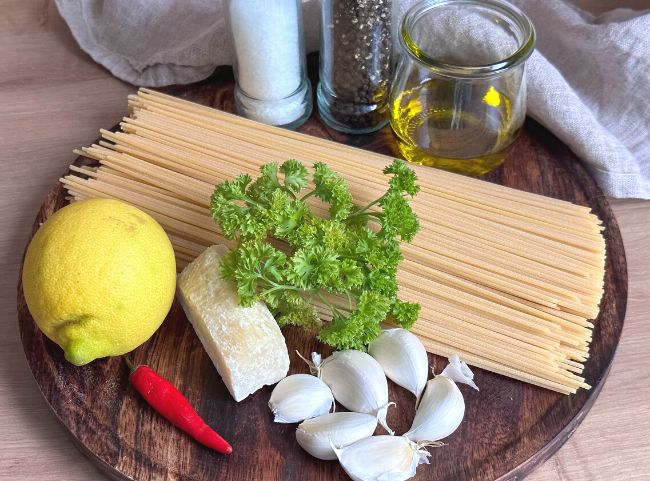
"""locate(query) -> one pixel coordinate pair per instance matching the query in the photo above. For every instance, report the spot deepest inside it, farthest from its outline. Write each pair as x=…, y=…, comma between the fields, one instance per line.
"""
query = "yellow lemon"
x=99, y=278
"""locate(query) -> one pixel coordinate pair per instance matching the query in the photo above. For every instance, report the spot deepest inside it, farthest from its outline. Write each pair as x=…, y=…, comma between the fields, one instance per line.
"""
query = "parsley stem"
x=363, y=209
x=377, y=215
x=349, y=300
x=308, y=195
x=252, y=202
x=335, y=308
x=281, y=287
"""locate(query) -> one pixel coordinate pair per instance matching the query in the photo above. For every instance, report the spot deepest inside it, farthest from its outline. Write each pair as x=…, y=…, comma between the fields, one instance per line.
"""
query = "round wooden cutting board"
x=509, y=426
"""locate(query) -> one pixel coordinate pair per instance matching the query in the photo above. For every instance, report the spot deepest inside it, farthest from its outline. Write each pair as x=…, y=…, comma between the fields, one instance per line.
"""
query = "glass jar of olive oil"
x=458, y=98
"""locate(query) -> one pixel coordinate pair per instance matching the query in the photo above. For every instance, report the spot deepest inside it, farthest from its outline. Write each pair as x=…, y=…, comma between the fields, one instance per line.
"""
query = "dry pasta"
x=507, y=279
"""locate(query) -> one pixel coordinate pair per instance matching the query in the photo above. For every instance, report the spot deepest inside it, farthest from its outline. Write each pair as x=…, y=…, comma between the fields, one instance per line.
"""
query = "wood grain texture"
x=509, y=428
x=44, y=76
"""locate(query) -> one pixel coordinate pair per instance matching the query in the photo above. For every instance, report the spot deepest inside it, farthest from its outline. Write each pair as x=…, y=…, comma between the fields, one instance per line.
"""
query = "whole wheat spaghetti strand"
x=571, y=250
x=146, y=189
x=546, y=217
x=189, y=133
x=538, y=240
x=149, y=150
x=481, y=362
x=575, y=269
x=236, y=120
x=460, y=285
x=214, y=178
x=534, y=339
x=482, y=334
x=205, y=139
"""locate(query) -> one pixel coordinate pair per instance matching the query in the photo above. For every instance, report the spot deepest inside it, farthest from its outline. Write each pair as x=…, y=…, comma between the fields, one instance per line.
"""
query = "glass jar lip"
x=522, y=53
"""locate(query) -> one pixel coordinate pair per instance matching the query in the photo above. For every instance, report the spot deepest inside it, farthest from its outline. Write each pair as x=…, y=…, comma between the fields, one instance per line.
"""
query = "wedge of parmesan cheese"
x=244, y=343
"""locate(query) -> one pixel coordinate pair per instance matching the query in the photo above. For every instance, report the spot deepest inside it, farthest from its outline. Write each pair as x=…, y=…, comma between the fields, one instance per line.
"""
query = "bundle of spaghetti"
x=507, y=279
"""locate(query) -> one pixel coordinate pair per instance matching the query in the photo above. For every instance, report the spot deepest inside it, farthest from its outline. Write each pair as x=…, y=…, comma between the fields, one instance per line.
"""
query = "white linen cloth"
x=588, y=81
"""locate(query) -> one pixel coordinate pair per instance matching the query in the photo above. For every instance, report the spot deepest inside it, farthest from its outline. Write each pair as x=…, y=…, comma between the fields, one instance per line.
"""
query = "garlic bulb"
x=442, y=406
x=403, y=358
x=386, y=458
x=317, y=435
x=357, y=381
x=299, y=397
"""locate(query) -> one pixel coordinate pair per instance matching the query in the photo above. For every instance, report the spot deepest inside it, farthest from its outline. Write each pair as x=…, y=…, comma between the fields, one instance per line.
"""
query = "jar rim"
x=524, y=50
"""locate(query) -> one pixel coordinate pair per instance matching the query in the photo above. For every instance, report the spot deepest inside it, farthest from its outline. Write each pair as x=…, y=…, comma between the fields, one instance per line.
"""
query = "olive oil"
x=453, y=126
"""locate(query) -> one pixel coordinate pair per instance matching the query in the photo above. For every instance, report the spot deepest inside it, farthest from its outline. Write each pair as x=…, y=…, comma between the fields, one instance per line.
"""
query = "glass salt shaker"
x=458, y=98
x=355, y=64
x=270, y=73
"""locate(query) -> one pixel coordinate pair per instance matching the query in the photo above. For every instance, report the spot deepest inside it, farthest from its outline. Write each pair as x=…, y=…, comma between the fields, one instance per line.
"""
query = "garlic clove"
x=442, y=406
x=403, y=358
x=386, y=458
x=358, y=382
x=317, y=435
x=459, y=371
x=299, y=397
x=440, y=412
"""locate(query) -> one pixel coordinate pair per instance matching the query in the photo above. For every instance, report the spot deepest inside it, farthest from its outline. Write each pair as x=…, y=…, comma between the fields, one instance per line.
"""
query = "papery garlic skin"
x=385, y=458
x=459, y=371
x=299, y=397
x=358, y=382
x=403, y=358
x=317, y=435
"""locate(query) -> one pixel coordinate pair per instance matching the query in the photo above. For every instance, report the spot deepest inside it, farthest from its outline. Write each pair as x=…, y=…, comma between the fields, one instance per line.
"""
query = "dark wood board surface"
x=509, y=427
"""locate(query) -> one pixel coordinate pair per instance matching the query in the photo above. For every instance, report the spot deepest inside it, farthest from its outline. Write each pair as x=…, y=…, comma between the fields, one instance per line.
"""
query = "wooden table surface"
x=54, y=98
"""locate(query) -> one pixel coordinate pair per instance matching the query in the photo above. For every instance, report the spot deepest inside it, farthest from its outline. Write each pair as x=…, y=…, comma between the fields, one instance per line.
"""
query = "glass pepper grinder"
x=270, y=74
x=355, y=64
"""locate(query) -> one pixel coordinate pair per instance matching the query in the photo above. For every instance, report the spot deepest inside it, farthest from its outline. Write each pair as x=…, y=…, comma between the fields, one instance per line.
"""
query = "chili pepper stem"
x=129, y=364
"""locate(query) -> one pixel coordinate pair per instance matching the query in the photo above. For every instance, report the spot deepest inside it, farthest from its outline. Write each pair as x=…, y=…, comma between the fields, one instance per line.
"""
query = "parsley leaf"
x=304, y=266
x=295, y=176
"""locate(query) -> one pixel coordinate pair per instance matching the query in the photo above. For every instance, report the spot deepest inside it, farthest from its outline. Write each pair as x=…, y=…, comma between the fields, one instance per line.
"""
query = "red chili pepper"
x=173, y=406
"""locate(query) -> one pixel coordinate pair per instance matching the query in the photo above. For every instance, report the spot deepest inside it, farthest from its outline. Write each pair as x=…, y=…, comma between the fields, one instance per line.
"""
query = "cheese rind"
x=244, y=343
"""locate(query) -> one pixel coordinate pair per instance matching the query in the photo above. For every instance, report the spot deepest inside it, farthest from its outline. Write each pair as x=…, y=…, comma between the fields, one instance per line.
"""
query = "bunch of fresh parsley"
x=346, y=264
